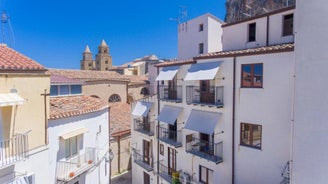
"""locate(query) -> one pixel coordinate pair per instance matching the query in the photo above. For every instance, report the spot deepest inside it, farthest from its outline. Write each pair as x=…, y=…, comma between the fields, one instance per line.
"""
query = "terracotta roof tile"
x=251, y=51
x=13, y=60
x=58, y=79
x=87, y=75
x=174, y=63
x=134, y=79
x=120, y=117
x=63, y=107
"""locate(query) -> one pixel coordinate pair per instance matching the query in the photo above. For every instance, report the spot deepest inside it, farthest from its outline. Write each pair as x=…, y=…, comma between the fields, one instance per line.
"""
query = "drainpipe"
x=233, y=118
x=119, y=153
x=267, y=30
x=158, y=101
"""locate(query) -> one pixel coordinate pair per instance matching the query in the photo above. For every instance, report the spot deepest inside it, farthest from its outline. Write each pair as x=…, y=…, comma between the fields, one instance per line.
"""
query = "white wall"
x=310, y=163
x=37, y=163
x=189, y=36
x=270, y=107
x=91, y=121
x=236, y=36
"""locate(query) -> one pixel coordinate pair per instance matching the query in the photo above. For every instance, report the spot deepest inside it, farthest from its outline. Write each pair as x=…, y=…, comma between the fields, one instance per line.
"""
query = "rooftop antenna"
x=6, y=29
x=183, y=15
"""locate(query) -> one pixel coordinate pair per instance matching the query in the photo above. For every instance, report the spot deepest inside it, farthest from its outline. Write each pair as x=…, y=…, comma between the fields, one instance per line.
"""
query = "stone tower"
x=103, y=59
x=87, y=63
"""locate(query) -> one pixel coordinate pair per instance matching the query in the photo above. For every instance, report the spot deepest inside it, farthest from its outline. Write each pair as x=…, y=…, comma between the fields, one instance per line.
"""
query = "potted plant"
x=71, y=174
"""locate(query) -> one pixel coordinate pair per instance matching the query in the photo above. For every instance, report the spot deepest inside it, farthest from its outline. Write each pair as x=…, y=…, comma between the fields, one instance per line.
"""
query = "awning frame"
x=74, y=133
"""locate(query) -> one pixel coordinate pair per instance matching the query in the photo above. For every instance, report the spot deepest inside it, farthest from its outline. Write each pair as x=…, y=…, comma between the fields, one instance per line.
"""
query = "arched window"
x=144, y=91
x=114, y=98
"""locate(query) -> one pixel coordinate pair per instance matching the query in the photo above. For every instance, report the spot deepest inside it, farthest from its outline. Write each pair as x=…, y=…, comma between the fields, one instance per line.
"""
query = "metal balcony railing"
x=212, y=96
x=146, y=127
x=286, y=173
x=169, y=136
x=165, y=172
x=205, y=149
x=144, y=161
x=13, y=150
x=167, y=93
x=67, y=170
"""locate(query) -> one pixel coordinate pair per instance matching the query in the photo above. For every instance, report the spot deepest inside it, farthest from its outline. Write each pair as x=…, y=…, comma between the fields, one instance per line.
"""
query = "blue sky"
x=55, y=33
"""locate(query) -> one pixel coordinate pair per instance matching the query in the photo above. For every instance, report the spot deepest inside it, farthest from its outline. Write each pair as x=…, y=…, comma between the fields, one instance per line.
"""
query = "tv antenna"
x=6, y=29
x=183, y=15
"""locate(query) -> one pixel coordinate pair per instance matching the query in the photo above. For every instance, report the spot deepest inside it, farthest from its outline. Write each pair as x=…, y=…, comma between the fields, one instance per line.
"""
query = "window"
x=251, y=32
x=114, y=98
x=161, y=149
x=205, y=175
x=70, y=147
x=106, y=62
x=201, y=27
x=252, y=75
x=251, y=135
x=76, y=89
x=288, y=25
x=62, y=90
x=53, y=90
x=201, y=48
x=144, y=91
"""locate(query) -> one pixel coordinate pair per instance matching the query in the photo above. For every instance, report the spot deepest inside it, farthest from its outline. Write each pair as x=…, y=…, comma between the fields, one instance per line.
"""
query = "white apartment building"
x=222, y=117
x=78, y=135
x=199, y=35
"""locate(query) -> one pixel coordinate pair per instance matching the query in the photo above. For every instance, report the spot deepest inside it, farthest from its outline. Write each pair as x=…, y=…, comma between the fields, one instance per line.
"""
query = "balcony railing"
x=13, y=150
x=165, y=172
x=145, y=127
x=205, y=149
x=167, y=93
x=211, y=97
x=67, y=170
x=169, y=136
x=143, y=161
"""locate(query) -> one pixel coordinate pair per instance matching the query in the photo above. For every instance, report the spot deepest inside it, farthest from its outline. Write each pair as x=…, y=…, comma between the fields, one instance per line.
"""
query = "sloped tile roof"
x=63, y=107
x=134, y=79
x=89, y=75
x=120, y=117
x=174, y=63
x=15, y=61
x=251, y=51
x=58, y=79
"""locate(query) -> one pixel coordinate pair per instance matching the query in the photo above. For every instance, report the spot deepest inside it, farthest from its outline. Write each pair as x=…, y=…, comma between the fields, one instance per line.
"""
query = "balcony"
x=144, y=127
x=205, y=149
x=169, y=136
x=165, y=172
x=143, y=161
x=172, y=94
x=211, y=97
x=67, y=170
x=13, y=150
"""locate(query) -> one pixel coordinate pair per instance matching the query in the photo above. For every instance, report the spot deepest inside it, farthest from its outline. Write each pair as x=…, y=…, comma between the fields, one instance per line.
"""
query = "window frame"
x=201, y=48
x=252, y=85
x=201, y=27
x=249, y=36
x=283, y=32
x=251, y=132
x=72, y=153
x=206, y=174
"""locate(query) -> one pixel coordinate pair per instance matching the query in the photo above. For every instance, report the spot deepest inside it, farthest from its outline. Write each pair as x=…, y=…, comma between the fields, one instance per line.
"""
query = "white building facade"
x=225, y=117
x=78, y=136
x=199, y=35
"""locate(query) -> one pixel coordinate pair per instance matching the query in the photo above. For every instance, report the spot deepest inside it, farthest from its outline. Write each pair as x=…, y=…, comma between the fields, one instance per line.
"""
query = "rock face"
x=241, y=9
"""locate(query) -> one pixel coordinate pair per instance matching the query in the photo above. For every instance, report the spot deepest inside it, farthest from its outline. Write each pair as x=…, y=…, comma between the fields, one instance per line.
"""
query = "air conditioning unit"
x=184, y=178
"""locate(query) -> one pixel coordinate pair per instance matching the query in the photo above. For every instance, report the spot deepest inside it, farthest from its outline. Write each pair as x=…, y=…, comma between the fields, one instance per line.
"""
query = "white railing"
x=67, y=170
x=13, y=150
